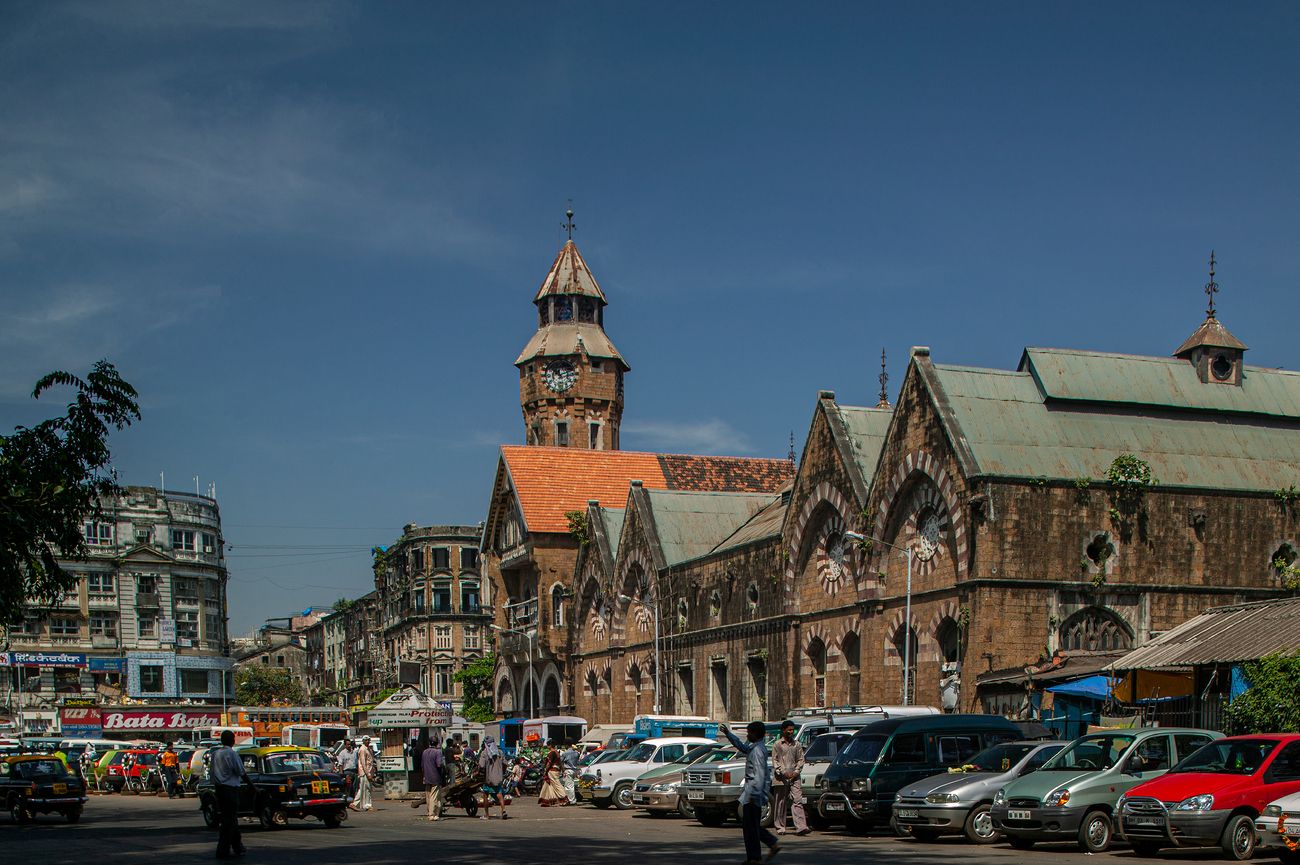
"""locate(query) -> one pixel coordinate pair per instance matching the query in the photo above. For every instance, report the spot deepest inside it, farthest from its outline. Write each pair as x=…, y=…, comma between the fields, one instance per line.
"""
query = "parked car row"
x=977, y=776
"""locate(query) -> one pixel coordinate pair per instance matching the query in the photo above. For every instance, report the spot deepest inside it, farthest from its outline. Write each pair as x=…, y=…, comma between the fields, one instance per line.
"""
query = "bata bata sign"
x=153, y=720
x=409, y=708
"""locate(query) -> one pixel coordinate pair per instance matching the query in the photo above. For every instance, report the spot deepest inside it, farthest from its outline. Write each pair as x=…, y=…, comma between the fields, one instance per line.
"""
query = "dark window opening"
x=561, y=434
x=440, y=557
x=1221, y=367
x=1100, y=549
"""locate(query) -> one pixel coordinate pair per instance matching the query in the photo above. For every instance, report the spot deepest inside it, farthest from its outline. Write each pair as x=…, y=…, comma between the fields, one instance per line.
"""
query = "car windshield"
x=1240, y=757
x=824, y=748
x=303, y=761
x=610, y=756
x=640, y=754
x=862, y=750
x=38, y=770
x=999, y=758
x=1099, y=751
x=146, y=759
x=695, y=753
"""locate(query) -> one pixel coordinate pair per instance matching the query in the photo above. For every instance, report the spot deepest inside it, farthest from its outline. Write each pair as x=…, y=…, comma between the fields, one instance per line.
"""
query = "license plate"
x=834, y=806
x=1017, y=814
x=694, y=795
x=906, y=812
x=1146, y=821
x=60, y=789
x=320, y=786
x=639, y=800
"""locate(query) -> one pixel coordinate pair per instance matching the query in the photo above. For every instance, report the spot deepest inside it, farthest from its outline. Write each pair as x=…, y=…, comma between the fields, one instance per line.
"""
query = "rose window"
x=927, y=535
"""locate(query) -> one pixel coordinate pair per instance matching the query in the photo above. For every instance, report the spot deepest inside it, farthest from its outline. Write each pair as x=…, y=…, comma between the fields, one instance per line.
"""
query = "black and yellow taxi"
x=283, y=782
x=33, y=784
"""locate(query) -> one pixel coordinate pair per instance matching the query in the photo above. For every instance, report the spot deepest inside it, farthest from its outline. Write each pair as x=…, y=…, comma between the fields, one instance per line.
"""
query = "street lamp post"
x=654, y=597
x=532, y=636
x=907, y=614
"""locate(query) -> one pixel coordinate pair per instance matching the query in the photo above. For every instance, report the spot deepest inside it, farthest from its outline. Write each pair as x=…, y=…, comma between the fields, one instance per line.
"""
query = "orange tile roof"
x=551, y=481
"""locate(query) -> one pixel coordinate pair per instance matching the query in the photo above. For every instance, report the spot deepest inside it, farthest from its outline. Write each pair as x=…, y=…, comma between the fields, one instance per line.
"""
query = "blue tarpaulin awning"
x=1093, y=687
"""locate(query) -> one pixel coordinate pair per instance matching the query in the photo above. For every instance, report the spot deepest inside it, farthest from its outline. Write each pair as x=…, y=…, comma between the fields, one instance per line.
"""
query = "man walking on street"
x=755, y=792
x=347, y=760
x=435, y=775
x=494, y=778
x=571, y=758
x=365, y=776
x=170, y=765
x=227, y=775
x=787, y=791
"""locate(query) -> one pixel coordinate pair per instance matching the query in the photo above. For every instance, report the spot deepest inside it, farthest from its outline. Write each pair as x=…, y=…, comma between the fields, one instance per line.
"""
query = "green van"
x=1073, y=796
x=859, y=787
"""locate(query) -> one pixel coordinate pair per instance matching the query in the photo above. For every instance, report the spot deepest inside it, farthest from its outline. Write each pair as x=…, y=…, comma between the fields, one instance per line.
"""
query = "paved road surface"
x=165, y=832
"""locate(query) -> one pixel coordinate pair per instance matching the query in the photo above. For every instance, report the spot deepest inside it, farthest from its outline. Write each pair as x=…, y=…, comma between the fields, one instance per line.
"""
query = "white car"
x=606, y=784
x=1284, y=812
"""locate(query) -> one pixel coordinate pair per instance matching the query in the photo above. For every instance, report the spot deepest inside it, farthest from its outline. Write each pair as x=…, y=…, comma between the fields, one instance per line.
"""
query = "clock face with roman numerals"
x=559, y=375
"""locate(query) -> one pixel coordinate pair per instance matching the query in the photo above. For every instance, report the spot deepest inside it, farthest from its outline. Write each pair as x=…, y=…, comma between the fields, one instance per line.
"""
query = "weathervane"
x=884, y=383
x=1211, y=288
x=569, y=226
x=790, y=456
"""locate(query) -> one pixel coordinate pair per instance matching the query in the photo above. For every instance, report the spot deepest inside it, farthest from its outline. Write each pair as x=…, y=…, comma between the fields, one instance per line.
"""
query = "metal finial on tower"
x=883, y=378
x=1211, y=288
x=790, y=455
x=568, y=225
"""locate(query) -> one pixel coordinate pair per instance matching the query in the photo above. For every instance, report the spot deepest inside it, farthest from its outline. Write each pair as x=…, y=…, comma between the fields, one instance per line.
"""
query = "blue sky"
x=309, y=233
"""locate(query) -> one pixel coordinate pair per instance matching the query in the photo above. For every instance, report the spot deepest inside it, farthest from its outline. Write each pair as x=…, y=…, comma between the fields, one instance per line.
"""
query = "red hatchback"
x=1212, y=796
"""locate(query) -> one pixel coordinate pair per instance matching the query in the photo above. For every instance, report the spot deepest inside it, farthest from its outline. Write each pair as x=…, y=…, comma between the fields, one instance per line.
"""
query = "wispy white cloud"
x=708, y=436
x=71, y=326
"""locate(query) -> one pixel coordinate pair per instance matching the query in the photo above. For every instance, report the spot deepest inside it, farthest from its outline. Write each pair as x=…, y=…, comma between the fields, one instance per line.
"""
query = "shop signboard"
x=43, y=659
x=145, y=720
x=81, y=722
x=409, y=708
x=108, y=665
x=392, y=764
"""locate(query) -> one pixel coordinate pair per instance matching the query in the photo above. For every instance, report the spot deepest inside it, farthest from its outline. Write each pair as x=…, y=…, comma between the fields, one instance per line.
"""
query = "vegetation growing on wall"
x=1272, y=702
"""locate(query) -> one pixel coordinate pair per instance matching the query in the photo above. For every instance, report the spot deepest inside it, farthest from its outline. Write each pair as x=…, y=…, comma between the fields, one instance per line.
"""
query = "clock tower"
x=570, y=374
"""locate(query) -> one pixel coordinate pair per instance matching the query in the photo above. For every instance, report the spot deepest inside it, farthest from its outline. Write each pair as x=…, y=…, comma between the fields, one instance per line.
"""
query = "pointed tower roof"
x=1211, y=334
x=570, y=275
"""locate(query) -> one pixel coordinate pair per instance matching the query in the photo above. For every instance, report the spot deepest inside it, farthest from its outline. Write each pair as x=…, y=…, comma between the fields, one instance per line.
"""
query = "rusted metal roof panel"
x=1242, y=632
x=569, y=274
x=1088, y=376
x=1014, y=431
x=560, y=340
x=764, y=524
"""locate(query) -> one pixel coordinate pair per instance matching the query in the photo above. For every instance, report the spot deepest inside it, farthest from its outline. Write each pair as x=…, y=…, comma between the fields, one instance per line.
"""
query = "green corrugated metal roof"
x=691, y=524
x=613, y=521
x=867, y=428
x=1159, y=381
x=1013, y=430
x=764, y=524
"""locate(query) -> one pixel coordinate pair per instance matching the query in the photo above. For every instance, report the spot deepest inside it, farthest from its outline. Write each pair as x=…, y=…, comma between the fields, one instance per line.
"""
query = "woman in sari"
x=552, y=792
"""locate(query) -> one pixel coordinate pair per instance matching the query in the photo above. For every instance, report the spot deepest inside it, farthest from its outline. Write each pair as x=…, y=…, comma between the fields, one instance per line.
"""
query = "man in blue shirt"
x=755, y=793
x=228, y=774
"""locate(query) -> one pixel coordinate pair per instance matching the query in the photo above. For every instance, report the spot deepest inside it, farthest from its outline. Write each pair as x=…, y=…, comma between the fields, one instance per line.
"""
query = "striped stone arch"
x=587, y=615
x=893, y=658
x=923, y=463
x=597, y=670
x=823, y=494
x=643, y=617
x=930, y=645
x=644, y=663
x=814, y=631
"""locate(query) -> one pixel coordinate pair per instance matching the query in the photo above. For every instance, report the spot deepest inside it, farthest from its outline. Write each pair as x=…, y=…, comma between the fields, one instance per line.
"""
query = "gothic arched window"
x=817, y=655
x=1095, y=630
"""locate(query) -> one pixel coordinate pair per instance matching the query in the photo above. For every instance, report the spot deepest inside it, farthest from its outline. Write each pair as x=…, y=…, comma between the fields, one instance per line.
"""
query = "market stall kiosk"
x=406, y=723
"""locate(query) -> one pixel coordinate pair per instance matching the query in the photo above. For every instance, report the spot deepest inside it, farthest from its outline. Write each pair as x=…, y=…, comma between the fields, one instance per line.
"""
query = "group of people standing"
x=442, y=764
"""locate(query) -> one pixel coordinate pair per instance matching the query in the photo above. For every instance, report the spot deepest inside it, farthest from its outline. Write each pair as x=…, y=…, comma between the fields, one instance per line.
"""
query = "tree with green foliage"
x=53, y=478
x=257, y=685
x=476, y=688
x=1272, y=702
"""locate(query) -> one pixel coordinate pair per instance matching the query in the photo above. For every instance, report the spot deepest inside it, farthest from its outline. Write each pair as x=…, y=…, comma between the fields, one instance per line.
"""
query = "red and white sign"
x=81, y=715
x=140, y=719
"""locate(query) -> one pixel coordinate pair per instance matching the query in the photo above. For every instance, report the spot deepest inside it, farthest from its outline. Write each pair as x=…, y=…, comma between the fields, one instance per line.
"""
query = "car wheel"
x=765, y=816
x=471, y=806
x=900, y=829
x=1238, y=840
x=623, y=795
x=685, y=808
x=17, y=812
x=1095, y=832
x=925, y=836
x=710, y=818
x=209, y=810
x=1020, y=843
x=332, y=821
x=1145, y=848
x=979, y=826
x=73, y=814
x=273, y=818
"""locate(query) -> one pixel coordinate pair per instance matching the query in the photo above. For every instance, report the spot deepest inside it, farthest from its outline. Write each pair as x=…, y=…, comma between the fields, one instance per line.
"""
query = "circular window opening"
x=1283, y=557
x=1100, y=549
x=751, y=594
x=1221, y=367
x=715, y=605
